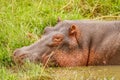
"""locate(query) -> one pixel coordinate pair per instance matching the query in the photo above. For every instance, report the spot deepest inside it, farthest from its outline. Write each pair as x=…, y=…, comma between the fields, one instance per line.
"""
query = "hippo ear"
x=59, y=20
x=73, y=30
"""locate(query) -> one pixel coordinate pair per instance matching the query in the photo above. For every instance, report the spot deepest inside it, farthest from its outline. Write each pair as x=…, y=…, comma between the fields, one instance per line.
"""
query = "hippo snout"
x=18, y=53
x=19, y=56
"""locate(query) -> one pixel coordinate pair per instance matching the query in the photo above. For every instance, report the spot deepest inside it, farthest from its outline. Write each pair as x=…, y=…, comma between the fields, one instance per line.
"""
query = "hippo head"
x=58, y=46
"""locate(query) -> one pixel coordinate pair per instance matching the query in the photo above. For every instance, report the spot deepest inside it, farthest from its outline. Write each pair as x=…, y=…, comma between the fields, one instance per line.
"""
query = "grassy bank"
x=22, y=22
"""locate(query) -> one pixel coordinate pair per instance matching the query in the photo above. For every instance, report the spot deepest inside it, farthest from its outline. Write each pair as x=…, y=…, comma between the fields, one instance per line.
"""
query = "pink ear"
x=72, y=30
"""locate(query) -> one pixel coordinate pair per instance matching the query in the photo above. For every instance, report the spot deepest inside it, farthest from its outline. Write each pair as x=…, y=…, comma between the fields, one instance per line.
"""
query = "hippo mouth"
x=21, y=59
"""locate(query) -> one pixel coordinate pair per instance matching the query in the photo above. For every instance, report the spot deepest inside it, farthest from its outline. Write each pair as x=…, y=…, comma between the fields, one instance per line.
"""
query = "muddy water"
x=86, y=73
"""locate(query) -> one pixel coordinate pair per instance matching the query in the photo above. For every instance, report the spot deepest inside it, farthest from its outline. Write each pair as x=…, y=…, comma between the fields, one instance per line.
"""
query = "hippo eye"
x=57, y=38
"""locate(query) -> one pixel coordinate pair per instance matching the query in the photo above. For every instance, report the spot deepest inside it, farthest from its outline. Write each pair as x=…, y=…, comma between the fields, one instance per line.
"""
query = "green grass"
x=22, y=22
x=28, y=71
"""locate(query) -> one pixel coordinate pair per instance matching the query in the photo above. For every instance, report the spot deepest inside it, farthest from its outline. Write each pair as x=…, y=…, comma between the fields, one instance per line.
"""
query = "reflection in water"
x=86, y=73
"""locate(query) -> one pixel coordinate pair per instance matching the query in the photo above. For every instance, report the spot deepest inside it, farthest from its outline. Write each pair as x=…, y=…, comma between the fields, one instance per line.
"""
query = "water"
x=86, y=73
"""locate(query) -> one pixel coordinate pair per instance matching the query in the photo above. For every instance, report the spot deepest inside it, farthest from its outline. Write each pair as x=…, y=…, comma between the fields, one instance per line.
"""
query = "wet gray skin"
x=53, y=38
x=75, y=43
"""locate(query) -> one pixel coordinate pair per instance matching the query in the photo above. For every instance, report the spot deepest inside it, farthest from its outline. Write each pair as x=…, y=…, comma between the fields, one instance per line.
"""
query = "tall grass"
x=22, y=21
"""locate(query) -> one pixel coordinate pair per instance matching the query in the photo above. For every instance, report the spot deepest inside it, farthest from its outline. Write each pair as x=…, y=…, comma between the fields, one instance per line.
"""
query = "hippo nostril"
x=16, y=52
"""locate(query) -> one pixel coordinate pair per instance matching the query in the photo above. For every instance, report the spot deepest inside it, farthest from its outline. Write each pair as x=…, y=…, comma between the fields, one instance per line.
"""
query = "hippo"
x=72, y=43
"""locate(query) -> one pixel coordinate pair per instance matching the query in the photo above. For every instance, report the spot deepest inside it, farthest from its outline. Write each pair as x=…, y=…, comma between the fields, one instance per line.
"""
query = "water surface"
x=86, y=73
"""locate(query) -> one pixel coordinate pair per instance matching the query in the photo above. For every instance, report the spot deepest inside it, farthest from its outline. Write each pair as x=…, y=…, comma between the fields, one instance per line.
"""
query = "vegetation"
x=22, y=22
